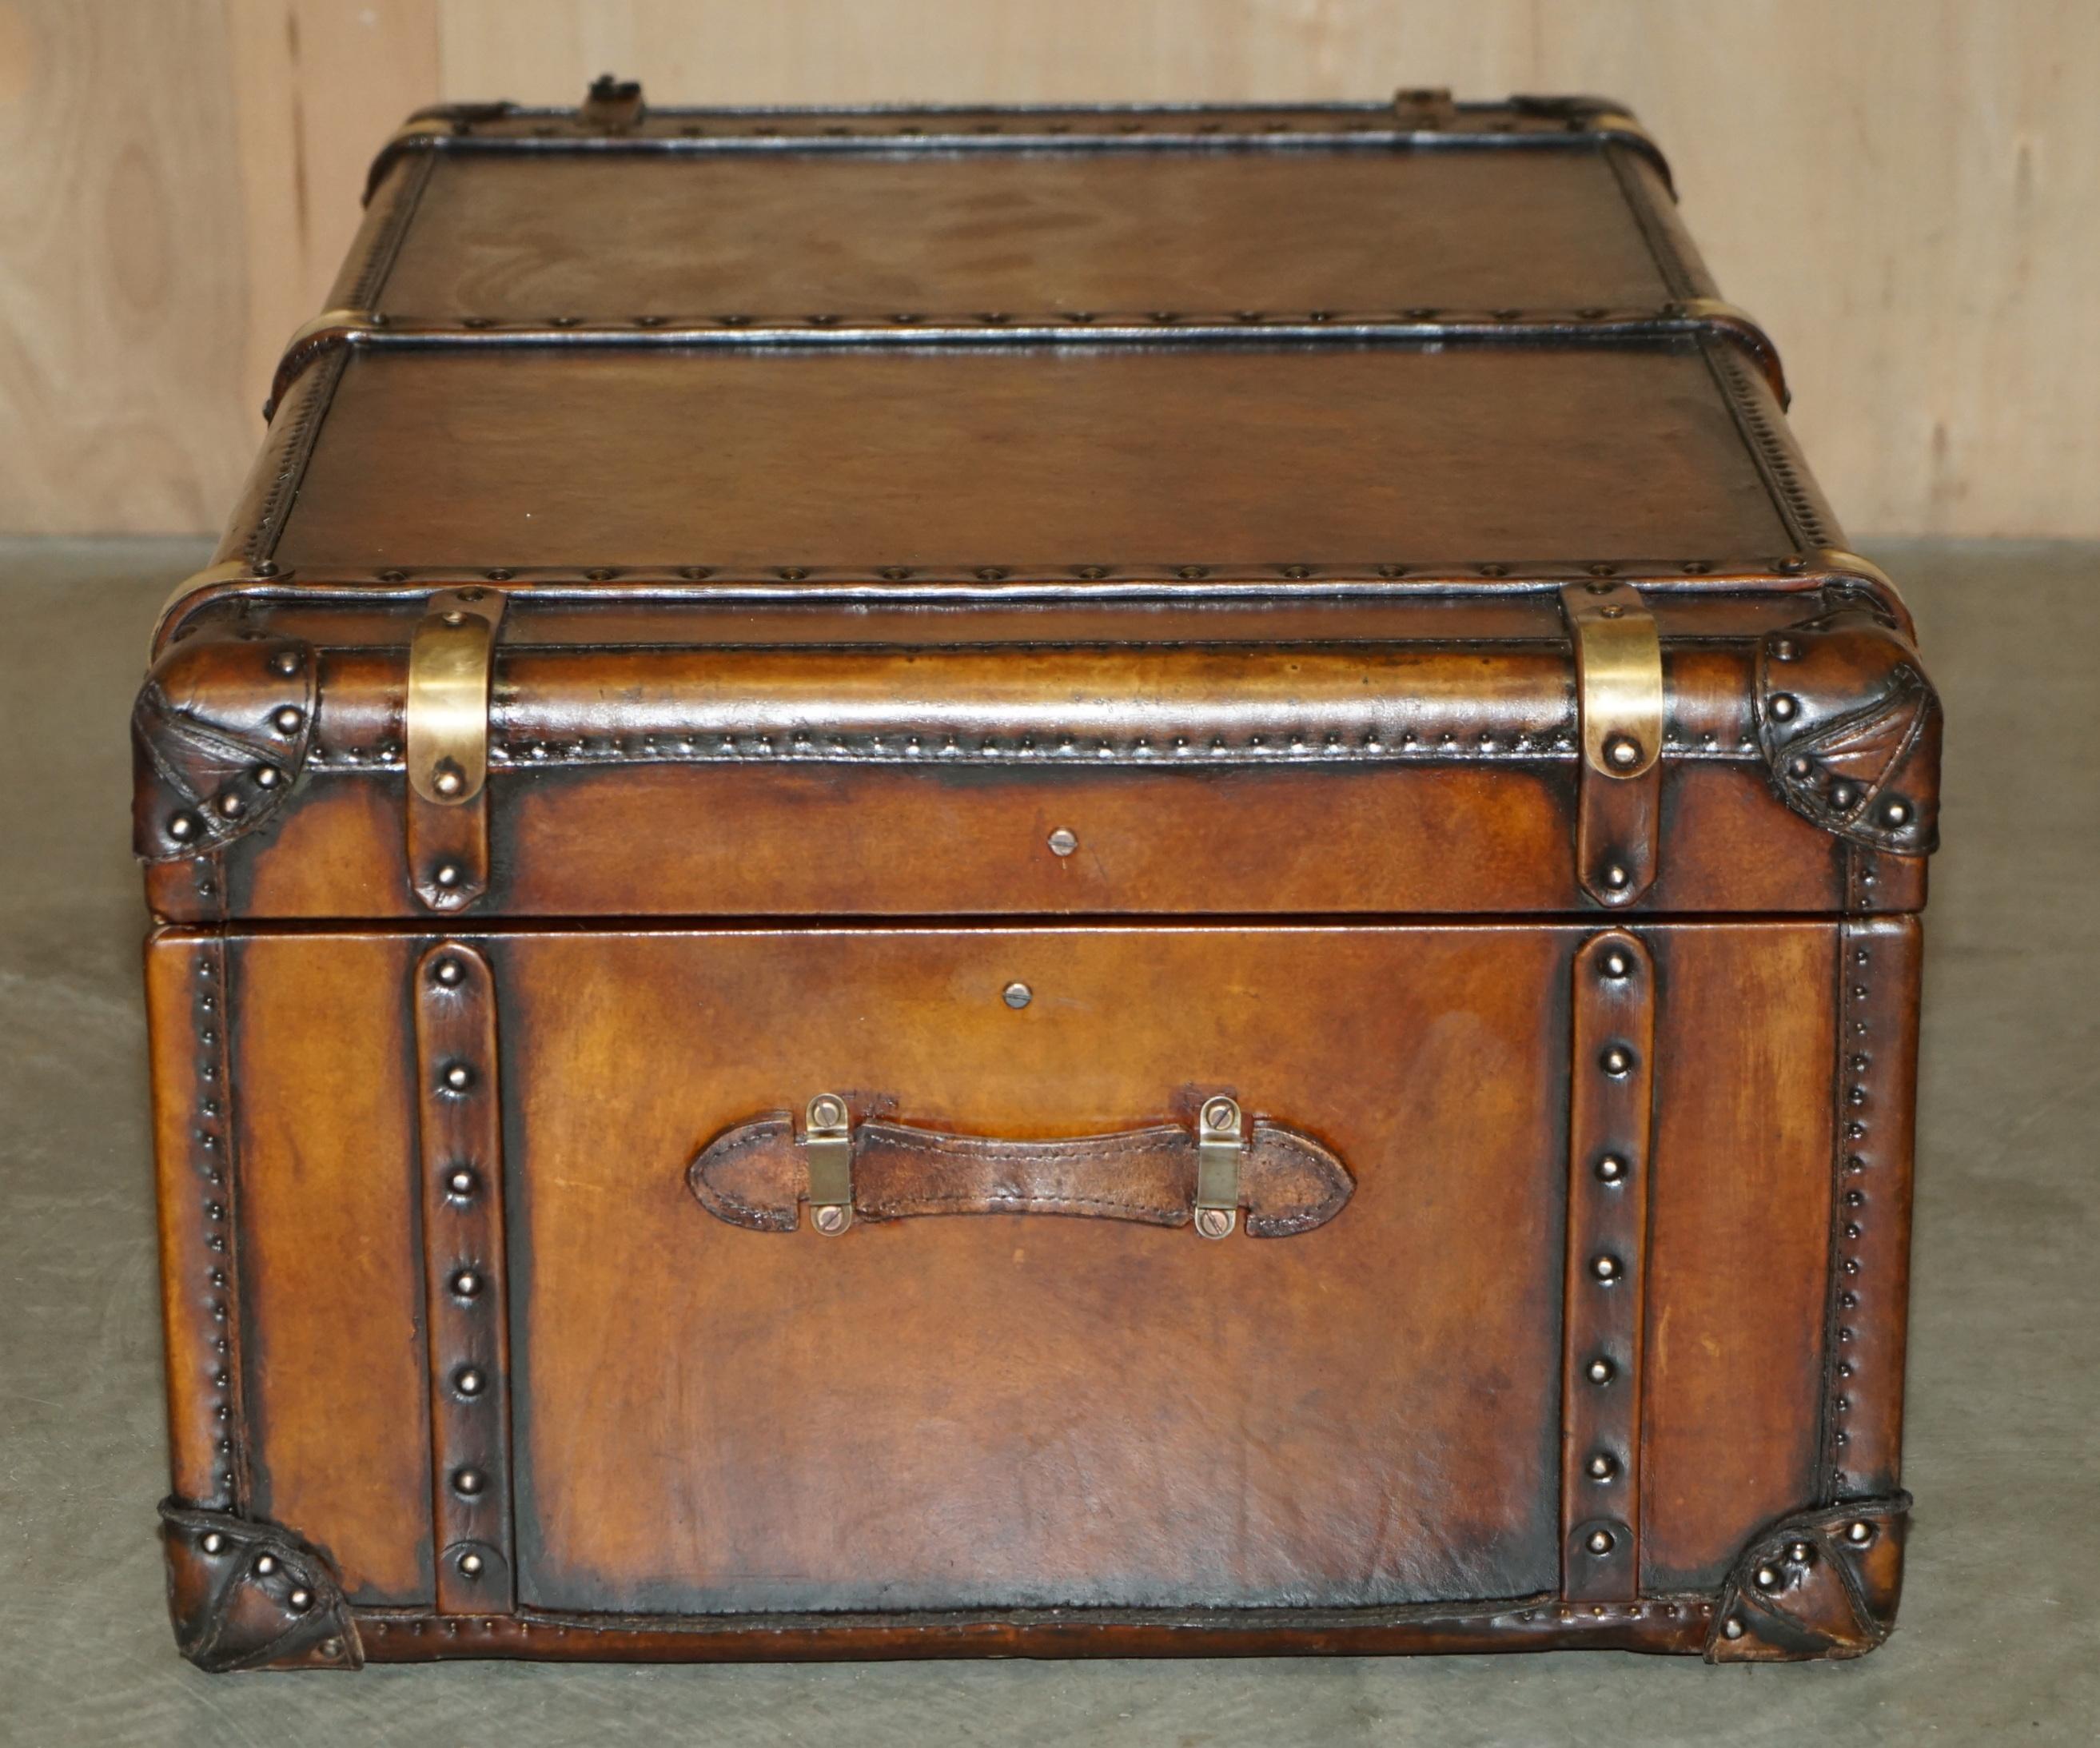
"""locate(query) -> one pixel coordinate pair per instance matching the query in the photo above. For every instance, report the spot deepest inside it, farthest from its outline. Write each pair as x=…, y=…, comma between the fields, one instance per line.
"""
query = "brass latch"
x=827, y=1156
x=451, y=662
x=1619, y=702
x=1219, y=1146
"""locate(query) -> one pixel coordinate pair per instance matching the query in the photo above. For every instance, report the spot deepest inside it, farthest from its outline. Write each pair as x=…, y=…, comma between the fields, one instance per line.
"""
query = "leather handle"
x=757, y=1175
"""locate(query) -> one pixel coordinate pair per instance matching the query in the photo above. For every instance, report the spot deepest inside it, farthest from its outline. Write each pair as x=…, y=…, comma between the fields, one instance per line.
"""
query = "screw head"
x=468, y=1481
x=1601, y=1371
x=467, y=1284
x=468, y=1381
x=826, y=1112
x=1859, y=1532
x=1622, y=751
x=1016, y=995
x=1063, y=842
x=831, y=1220
x=1221, y=1113
x=1215, y=1223
x=1604, y=1267
x=1600, y=1542
x=1782, y=706
x=288, y=719
x=1610, y=1169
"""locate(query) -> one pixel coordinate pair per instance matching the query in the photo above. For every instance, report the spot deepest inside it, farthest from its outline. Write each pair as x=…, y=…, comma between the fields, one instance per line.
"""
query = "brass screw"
x=830, y=1220
x=1214, y=1222
x=1222, y=1114
x=1062, y=842
x=1017, y=996
x=828, y=1113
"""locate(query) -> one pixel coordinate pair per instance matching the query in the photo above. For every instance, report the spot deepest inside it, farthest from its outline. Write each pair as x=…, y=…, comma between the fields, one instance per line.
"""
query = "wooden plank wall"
x=1907, y=191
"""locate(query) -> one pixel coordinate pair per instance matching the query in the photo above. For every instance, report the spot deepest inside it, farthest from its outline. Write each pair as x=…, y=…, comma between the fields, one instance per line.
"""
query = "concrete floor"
x=2000, y=1633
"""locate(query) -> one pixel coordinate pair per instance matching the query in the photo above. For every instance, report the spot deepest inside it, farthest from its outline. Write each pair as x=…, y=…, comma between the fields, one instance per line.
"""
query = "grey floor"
x=1999, y=1638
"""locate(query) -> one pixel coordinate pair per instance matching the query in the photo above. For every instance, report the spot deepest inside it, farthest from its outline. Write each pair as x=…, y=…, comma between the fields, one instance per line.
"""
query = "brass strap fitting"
x=451, y=662
x=1619, y=701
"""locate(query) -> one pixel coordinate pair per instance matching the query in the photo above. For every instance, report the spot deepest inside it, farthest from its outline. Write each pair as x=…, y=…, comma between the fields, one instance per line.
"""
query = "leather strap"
x=756, y=1176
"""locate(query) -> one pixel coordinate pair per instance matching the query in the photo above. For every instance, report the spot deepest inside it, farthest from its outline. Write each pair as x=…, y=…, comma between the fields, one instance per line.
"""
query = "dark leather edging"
x=753, y=1176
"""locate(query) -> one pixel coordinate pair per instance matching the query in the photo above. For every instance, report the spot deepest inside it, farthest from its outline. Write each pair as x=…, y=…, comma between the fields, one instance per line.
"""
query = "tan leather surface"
x=754, y=1175
x=522, y=239
x=1030, y=458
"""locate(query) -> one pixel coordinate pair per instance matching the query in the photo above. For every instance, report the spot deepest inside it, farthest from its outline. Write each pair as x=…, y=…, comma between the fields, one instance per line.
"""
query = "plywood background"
x=1907, y=191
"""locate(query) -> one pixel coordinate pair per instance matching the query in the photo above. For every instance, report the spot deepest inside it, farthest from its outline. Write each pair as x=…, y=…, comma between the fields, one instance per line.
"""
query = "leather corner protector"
x=219, y=734
x=1820, y=1583
x=1850, y=728
x=246, y=1594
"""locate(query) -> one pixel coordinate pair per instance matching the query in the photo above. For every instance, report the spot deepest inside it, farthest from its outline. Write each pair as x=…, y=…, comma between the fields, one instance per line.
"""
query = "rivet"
x=1731, y=1628
x=1766, y=1578
x=231, y=806
x=448, y=778
x=182, y=827
x=1062, y=842
x=1616, y=876
x=447, y=875
x=1600, y=1542
x=1298, y=570
x=266, y=567
x=299, y=1602
x=331, y=1648
x=471, y=1564
x=467, y=1284
x=468, y=1381
x=213, y=1543
x=1602, y=1466
x=1622, y=750
x=1801, y=1553
x=1601, y=1371
x=457, y=1077
x=1782, y=706
x=448, y=972
x=468, y=1481
x=288, y=718
x=1018, y=995
x=1605, y=1268
x=1801, y=765
x=462, y=1181
x=1617, y=963
x=1895, y=812
x=1610, y=1168
x=286, y=662
x=1785, y=650
x=1844, y=797
x=265, y=1565
x=1617, y=1060
x=267, y=776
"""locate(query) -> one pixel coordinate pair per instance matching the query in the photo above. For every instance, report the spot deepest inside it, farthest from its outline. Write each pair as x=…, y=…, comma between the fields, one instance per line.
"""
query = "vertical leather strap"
x=463, y=1260
x=1610, y=1078
x=1619, y=696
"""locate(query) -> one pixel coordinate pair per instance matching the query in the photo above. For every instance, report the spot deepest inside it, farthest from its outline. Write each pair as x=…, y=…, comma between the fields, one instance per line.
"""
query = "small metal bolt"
x=1617, y=963
x=288, y=718
x=830, y=1220
x=1610, y=1169
x=448, y=778
x=471, y=1564
x=286, y=661
x=458, y=1078
x=1062, y=842
x=448, y=972
x=447, y=874
x=469, y=1381
x=1602, y=1371
x=1605, y=1268
x=299, y=1602
x=1782, y=706
x=265, y=1565
x=467, y=1284
x=213, y=1543
x=1859, y=1532
x=1618, y=1060
x=1018, y=995
x=1622, y=750
x=828, y=1113
x=1602, y=1466
x=469, y=1482
x=1600, y=1542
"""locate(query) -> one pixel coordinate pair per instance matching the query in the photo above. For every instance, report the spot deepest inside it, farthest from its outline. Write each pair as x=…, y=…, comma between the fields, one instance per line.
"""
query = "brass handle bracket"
x=452, y=664
x=1619, y=702
x=827, y=1156
x=1219, y=1145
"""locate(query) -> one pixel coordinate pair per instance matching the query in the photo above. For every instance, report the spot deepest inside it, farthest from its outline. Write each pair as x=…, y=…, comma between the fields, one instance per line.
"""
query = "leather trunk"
x=1051, y=882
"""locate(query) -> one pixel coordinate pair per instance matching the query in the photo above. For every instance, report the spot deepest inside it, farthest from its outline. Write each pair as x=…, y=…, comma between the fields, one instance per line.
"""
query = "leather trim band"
x=1610, y=1077
x=756, y=1176
x=464, y=1279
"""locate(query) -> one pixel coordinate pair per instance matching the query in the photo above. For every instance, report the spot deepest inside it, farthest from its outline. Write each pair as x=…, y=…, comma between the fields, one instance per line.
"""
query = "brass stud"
x=286, y=662
x=466, y=1284
x=213, y=1543
x=1623, y=751
x=1617, y=1061
x=468, y=1381
x=1785, y=650
x=1766, y=1578
x=448, y=972
x=1018, y=995
x=288, y=718
x=1062, y=842
x=265, y=1565
x=448, y=778
x=1610, y=1169
x=182, y=827
x=1600, y=1542
x=1782, y=706
x=1616, y=877
x=457, y=1078
x=1895, y=811
x=1617, y=963
x=1731, y=1628
x=1801, y=765
x=231, y=806
x=1605, y=1268
x=469, y=1563
x=447, y=875
x=1601, y=1371
x=467, y=1482
x=1602, y=1466
x=1859, y=1532
x=1801, y=1553
x=1844, y=797
x=266, y=777
x=299, y=1602
x=462, y=1182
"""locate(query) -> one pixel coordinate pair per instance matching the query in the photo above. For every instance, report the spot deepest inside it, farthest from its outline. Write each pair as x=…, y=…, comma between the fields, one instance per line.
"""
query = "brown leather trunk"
x=1050, y=882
